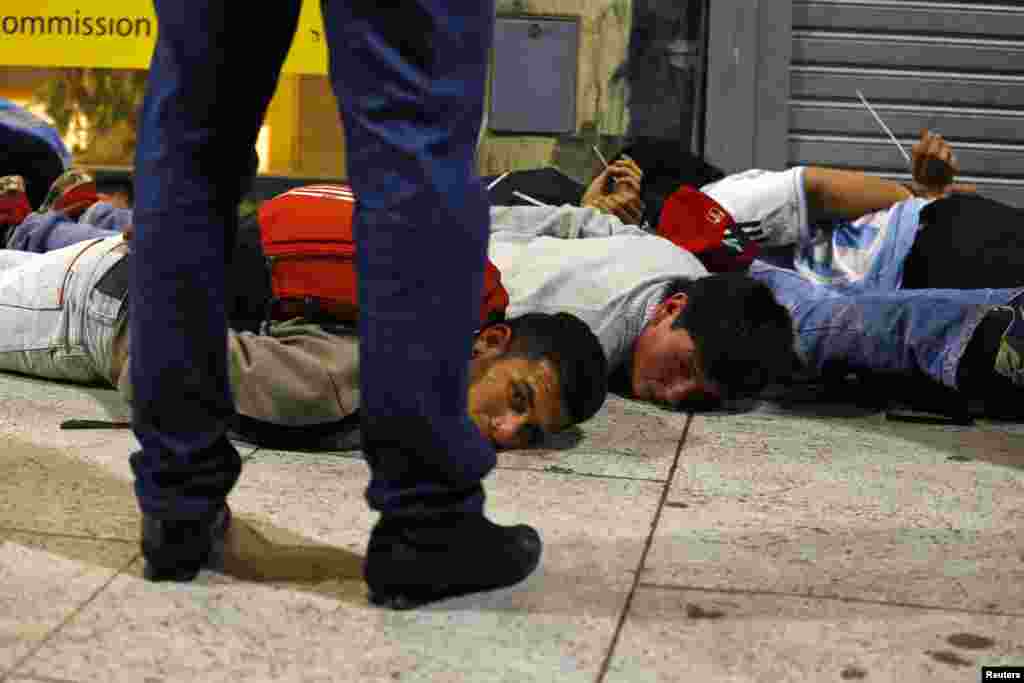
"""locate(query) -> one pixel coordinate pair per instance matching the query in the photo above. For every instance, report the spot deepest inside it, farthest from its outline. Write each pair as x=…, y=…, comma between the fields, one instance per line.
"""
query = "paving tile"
x=76, y=400
x=47, y=489
x=829, y=512
x=848, y=508
x=24, y=395
x=33, y=409
x=43, y=579
x=625, y=439
x=65, y=481
x=84, y=490
x=555, y=626
x=678, y=635
x=1007, y=427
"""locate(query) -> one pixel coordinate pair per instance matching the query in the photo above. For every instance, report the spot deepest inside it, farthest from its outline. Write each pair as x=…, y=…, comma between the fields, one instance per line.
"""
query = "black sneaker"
x=175, y=550
x=410, y=562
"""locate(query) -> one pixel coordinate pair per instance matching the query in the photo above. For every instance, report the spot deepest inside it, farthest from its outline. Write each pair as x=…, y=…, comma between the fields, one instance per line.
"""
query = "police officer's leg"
x=211, y=78
x=410, y=85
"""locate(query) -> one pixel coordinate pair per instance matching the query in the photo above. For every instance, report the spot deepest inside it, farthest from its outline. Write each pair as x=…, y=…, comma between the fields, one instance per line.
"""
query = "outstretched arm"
x=619, y=210
x=834, y=193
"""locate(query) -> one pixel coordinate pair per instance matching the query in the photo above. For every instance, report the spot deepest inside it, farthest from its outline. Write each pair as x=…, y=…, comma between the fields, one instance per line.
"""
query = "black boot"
x=175, y=550
x=411, y=562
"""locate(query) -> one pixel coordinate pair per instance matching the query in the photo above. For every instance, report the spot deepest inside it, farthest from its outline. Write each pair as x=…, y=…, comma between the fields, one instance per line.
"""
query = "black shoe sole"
x=177, y=574
x=407, y=598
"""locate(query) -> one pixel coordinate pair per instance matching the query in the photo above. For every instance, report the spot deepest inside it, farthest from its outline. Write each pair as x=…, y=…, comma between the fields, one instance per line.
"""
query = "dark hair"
x=744, y=337
x=110, y=184
x=574, y=349
x=666, y=164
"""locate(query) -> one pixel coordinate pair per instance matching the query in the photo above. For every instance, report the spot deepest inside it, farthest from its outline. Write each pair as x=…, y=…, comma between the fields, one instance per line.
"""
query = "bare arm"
x=833, y=193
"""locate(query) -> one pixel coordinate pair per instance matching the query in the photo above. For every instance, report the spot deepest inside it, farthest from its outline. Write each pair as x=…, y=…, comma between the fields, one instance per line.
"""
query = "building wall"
x=304, y=137
x=601, y=112
x=783, y=81
x=319, y=137
x=601, y=116
x=957, y=69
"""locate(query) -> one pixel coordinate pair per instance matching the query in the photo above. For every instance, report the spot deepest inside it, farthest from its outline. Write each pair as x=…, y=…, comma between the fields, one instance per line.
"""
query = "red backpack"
x=694, y=221
x=307, y=238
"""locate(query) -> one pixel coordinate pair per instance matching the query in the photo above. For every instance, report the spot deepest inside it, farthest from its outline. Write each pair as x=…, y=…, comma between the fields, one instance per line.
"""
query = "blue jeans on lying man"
x=905, y=332
x=43, y=232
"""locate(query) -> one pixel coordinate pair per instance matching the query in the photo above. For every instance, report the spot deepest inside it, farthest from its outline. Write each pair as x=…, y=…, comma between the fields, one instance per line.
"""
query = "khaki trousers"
x=297, y=374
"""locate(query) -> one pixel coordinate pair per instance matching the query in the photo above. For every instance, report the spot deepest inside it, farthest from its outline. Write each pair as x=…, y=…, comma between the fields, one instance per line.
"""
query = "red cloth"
x=697, y=223
x=14, y=208
x=307, y=236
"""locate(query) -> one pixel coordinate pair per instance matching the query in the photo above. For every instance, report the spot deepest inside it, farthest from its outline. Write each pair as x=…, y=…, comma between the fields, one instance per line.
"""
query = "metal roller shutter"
x=954, y=67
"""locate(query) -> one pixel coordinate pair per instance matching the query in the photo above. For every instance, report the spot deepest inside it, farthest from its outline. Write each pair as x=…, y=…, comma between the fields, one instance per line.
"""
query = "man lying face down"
x=671, y=332
x=530, y=376
x=675, y=333
x=847, y=310
x=63, y=315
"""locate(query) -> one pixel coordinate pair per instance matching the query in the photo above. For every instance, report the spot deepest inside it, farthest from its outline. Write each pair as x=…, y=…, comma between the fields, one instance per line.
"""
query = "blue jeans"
x=43, y=232
x=409, y=79
x=921, y=331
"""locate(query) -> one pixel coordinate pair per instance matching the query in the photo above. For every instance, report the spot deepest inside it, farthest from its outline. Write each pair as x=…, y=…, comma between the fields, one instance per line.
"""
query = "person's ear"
x=492, y=341
x=670, y=308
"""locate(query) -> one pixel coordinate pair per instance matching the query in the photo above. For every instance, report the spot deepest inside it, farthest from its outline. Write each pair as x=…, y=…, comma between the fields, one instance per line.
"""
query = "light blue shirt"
x=865, y=254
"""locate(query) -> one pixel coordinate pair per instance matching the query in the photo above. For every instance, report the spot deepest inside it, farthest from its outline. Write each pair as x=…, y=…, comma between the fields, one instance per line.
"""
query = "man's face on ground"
x=665, y=364
x=514, y=402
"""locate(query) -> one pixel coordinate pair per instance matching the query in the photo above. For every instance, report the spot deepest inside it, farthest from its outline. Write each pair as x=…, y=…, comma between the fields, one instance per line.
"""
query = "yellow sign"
x=120, y=34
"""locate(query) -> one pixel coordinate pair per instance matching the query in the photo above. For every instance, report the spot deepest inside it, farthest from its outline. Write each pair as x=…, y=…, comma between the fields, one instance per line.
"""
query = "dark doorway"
x=665, y=71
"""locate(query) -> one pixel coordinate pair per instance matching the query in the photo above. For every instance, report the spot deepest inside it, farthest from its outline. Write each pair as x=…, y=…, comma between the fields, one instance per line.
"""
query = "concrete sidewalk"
x=773, y=547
